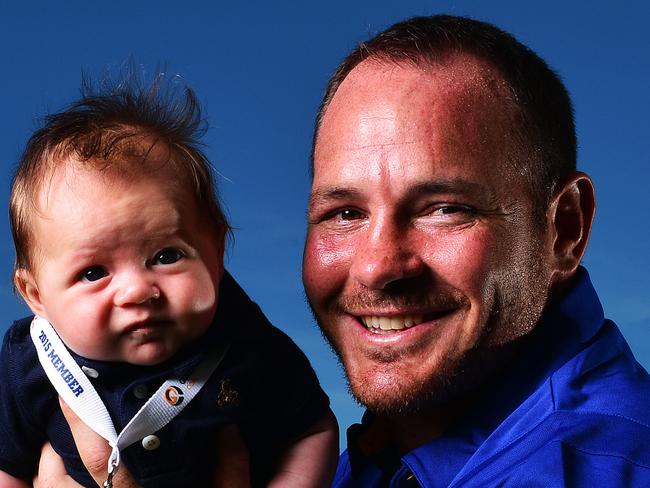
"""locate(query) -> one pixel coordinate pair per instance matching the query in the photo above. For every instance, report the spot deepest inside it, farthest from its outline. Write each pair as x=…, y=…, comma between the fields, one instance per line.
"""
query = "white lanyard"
x=78, y=392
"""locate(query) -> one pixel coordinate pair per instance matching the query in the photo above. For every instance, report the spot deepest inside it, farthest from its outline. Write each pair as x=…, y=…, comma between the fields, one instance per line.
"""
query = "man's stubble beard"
x=515, y=310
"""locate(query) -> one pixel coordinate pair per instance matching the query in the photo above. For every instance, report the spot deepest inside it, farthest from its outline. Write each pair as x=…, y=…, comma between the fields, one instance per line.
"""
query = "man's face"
x=422, y=249
x=125, y=267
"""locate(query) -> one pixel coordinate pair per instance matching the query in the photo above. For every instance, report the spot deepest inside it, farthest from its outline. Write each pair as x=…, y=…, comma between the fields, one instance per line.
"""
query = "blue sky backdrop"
x=260, y=68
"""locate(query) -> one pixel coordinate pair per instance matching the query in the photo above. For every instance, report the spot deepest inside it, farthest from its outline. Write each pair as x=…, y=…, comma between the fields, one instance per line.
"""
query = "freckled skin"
x=143, y=307
x=417, y=208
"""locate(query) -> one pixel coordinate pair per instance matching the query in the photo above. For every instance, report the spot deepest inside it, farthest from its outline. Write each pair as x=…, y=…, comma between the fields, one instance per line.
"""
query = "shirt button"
x=90, y=372
x=140, y=392
x=151, y=442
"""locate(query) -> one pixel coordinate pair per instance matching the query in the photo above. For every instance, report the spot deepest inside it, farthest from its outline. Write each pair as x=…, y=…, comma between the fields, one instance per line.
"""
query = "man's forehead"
x=450, y=71
x=406, y=125
x=463, y=75
x=381, y=101
x=369, y=96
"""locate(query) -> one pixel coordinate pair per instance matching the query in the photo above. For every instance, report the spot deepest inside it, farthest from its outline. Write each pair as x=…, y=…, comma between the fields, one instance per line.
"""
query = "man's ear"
x=570, y=216
x=28, y=289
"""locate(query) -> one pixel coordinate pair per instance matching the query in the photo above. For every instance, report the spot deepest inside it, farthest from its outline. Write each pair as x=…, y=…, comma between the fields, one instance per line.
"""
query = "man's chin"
x=387, y=388
x=390, y=390
x=400, y=394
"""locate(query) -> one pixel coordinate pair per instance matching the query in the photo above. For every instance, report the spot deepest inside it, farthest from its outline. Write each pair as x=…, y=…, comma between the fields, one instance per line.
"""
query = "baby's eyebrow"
x=86, y=252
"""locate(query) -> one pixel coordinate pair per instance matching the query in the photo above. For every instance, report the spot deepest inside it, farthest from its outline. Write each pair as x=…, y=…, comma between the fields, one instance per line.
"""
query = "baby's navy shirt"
x=264, y=385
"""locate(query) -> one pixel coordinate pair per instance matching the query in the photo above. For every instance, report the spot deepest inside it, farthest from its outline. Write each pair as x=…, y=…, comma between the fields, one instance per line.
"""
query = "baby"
x=119, y=241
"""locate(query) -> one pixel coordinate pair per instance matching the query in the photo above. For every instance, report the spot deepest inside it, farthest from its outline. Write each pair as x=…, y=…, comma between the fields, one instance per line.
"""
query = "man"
x=447, y=222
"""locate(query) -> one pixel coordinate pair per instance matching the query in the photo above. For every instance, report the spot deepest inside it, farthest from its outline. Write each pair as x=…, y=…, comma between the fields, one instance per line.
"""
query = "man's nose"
x=136, y=287
x=384, y=255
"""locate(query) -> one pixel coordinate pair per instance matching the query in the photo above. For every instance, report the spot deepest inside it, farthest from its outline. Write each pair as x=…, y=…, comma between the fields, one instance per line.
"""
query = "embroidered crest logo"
x=173, y=395
x=227, y=394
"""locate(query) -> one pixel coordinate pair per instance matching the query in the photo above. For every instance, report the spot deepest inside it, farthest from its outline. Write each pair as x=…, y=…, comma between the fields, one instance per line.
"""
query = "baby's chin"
x=141, y=354
x=151, y=345
x=148, y=354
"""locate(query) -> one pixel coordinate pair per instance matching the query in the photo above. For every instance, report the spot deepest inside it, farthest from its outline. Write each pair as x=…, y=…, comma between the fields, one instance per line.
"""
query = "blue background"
x=260, y=68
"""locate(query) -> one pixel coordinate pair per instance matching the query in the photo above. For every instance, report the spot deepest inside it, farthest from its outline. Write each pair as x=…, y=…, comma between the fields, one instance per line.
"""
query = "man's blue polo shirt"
x=264, y=385
x=572, y=409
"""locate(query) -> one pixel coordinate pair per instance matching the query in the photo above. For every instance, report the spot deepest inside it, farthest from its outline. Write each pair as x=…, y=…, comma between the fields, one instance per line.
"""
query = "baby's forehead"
x=157, y=166
x=77, y=191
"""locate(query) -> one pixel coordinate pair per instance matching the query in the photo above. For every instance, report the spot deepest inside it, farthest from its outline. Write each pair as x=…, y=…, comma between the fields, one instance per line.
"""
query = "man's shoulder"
x=591, y=371
x=587, y=448
x=591, y=448
x=599, y=422
x=591, y=415
x=600, y=400
x=603, y=379
x=602, y=441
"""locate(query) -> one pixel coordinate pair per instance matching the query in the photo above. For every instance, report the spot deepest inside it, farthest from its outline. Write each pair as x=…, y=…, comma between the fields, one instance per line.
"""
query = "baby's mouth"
x=147, y=325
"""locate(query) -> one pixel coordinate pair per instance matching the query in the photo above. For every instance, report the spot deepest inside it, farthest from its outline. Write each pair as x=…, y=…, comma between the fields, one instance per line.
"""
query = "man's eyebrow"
x=322, y=195
x=454, y=186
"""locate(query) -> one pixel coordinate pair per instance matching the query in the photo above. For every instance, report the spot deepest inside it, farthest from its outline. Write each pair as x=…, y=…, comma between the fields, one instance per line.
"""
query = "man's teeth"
x=397, y=322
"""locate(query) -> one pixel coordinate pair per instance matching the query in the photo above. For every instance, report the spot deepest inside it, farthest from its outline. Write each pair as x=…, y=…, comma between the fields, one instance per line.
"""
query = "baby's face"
x=125, y=268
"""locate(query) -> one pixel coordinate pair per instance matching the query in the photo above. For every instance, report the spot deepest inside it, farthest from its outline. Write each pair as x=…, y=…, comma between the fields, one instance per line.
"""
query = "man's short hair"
x=546, y=113
x=108, y=124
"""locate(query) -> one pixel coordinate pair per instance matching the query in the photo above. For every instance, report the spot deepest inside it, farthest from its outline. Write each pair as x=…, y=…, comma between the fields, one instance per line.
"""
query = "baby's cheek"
x=205, y=300
x=87, y=330
x=200, y=295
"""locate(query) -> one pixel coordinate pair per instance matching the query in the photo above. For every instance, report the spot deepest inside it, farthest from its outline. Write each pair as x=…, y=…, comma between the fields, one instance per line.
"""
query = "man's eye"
x=451, y=210
x=451, y=214
x=350, y=214
x=454, y=209
x=93, y=273
x=169, y=255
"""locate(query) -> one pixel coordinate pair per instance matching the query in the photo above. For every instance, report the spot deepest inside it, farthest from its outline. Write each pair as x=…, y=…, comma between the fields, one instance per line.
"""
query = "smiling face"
x=125, y=266
x=423, y=247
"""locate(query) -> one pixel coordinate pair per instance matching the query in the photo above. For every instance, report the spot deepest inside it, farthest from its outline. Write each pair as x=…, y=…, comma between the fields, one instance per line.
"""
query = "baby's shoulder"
x=20, y=371
x=17, y=344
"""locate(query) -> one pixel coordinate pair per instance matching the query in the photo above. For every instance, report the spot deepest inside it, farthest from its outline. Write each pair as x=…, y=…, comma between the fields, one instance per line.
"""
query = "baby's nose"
x=136, y=289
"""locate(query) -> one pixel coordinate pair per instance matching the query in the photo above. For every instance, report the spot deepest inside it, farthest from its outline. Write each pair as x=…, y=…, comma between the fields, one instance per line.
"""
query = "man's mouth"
x=382, y=324
x=396, y=322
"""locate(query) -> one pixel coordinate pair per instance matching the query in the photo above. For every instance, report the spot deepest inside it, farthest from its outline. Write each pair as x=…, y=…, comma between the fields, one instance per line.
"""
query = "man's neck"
x=405, y=432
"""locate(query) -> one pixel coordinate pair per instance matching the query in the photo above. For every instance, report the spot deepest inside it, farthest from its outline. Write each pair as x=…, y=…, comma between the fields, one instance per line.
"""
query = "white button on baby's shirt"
x=90, y=372
x=140, y=392
x=151, y=442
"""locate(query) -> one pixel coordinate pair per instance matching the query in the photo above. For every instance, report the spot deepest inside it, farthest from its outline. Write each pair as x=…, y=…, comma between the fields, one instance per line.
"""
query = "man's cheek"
x=462, y=259
x=327, y=259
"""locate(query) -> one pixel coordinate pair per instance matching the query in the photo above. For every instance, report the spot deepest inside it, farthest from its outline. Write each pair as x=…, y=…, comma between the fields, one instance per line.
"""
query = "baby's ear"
x=223, y=239
x=28, y=289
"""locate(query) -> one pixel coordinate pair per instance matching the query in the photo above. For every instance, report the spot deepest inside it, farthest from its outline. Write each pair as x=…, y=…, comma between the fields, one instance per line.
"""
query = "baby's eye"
x=169, y=255
x=93, y=273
